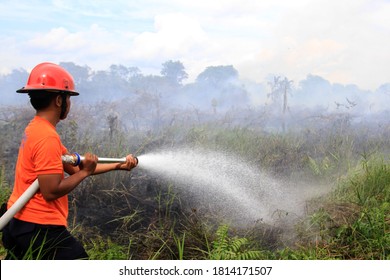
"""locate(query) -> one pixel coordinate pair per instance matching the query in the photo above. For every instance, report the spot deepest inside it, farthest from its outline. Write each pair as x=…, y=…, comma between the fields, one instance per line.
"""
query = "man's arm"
x=53, y=186
x=130, y=163
x=101, y=168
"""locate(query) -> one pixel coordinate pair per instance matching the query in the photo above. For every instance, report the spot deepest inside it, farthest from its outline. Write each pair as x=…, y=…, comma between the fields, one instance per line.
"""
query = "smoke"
x=118, y=103
x=217, y=89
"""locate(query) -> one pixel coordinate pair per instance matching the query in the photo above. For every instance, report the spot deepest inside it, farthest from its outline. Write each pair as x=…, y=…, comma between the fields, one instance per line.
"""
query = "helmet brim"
x=30, y=90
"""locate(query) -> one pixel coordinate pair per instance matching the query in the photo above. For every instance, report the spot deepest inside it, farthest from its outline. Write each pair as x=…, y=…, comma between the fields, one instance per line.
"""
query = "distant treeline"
x=216, y=88
x=127, y=98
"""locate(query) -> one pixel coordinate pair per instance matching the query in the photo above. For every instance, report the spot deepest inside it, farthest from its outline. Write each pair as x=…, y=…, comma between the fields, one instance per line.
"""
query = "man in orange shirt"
x=39, y=230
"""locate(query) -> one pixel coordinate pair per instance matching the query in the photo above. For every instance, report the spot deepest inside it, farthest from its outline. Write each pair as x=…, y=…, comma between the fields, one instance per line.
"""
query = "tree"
x=217, y=75
x=79, y=73
x=280, y=89
x=174, y=72
x=123, y=72
x=220, y=86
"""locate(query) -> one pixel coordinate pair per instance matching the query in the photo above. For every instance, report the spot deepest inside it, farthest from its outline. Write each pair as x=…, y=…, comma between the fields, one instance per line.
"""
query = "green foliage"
x=352, y=223
x=3, y=251
x=105, y=249
x=369, y=235
x=232, y=248
x=35, y=251
x=320, y=168
x=355, y=221
x=5, y=190
x=165, y=201
x=180, y=242
x=308, y=252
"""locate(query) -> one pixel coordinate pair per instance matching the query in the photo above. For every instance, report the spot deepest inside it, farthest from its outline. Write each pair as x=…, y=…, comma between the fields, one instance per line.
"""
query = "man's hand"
x=89, y=163
x=53, y=186
x=130, y=163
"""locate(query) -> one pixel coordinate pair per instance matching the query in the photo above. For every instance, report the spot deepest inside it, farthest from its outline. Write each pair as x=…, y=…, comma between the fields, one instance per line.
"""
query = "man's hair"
x=41, y=99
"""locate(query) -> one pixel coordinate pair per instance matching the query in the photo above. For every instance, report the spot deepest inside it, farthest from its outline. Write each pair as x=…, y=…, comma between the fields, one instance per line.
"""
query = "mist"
x=123, y=101
x=148, y=102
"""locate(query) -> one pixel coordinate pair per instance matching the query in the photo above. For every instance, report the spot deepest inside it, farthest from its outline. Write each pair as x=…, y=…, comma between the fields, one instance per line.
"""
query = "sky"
x=344, y=42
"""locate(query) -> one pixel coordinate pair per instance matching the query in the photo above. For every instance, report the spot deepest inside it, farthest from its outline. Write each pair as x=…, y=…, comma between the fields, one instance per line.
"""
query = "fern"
x=322, y=167
x=235, y=248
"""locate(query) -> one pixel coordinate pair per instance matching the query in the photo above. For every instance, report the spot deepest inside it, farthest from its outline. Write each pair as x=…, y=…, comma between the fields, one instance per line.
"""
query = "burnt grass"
x=146, y=214
x=140, y=212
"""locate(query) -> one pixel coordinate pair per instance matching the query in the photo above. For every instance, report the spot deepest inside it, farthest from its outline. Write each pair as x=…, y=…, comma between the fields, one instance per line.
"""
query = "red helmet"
x=51, y=77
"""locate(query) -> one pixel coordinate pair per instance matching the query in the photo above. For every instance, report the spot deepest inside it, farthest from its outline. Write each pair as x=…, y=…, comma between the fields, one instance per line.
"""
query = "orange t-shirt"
x=39, y=153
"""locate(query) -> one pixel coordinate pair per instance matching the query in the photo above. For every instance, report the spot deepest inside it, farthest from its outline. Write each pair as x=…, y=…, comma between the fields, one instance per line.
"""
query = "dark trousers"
x=24, y=240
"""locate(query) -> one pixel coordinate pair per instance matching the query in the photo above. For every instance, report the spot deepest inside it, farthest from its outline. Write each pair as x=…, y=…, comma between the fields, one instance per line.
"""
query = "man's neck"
x=50, y=116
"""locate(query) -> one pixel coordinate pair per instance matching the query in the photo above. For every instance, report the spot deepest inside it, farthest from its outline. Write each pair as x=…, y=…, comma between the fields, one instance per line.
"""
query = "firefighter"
x=39, y=229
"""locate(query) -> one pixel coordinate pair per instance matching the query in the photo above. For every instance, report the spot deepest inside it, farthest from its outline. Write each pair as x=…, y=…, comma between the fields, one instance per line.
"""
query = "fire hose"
x=74, y=159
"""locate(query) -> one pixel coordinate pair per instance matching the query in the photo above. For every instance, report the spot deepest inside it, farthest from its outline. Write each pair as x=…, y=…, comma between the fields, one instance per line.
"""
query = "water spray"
x=73, y=159
x=231, y=187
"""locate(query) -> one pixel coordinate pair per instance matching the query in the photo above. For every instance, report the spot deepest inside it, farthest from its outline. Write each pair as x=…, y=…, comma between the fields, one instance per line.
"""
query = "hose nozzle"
x=75, y=159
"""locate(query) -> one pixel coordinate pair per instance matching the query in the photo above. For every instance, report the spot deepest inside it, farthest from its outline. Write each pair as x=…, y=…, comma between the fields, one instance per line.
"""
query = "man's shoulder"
x=42, y=128
x=38, y=133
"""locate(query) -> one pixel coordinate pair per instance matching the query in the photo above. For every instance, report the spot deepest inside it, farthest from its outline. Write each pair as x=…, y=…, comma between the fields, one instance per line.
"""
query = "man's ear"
x=58, y=100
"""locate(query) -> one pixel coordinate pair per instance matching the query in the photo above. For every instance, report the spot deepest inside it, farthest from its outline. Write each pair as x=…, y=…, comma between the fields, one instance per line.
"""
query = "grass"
x=353, y=222
x=102, y=248
x=225, y=247
x=5, y=192
x=147, y=220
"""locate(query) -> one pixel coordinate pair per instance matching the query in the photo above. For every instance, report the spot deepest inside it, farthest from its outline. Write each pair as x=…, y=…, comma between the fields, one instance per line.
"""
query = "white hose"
x=33, y=188
x=19, y=204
